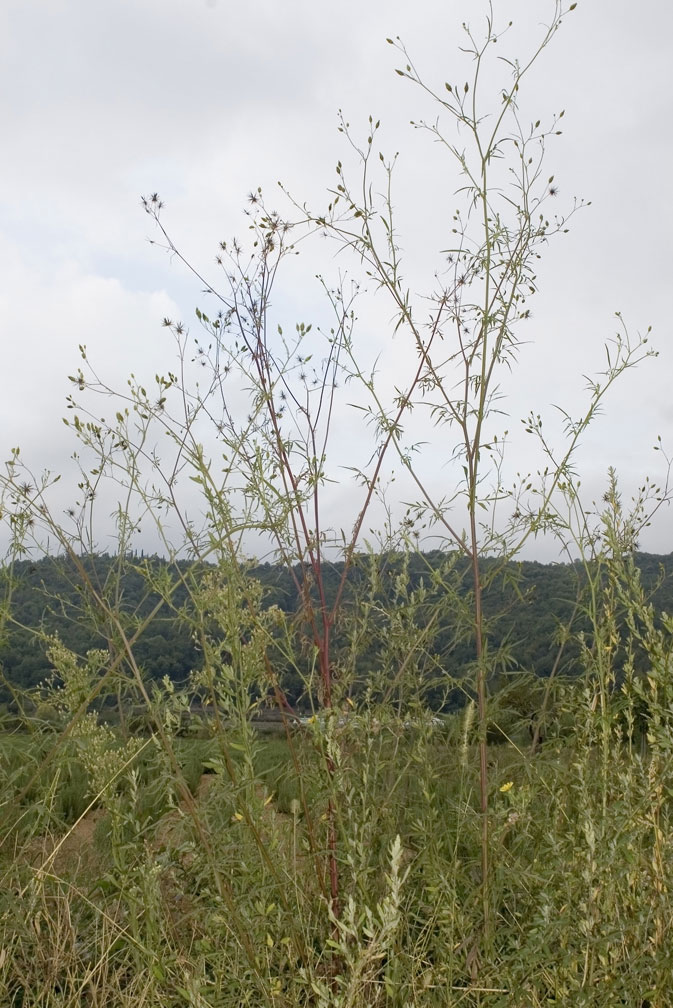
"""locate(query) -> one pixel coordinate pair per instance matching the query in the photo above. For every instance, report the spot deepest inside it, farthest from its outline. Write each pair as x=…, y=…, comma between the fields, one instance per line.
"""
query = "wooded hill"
x=526, y=605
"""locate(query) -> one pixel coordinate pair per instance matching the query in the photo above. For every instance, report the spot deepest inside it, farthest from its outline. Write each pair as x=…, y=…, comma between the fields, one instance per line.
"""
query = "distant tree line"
x=526, y=609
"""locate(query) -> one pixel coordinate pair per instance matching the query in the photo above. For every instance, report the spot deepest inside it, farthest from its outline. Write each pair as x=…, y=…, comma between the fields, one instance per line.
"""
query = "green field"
x=189, y=887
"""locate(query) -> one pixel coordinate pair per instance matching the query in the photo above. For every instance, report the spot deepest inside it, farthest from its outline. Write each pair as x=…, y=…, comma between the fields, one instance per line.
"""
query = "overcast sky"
x=203, y=100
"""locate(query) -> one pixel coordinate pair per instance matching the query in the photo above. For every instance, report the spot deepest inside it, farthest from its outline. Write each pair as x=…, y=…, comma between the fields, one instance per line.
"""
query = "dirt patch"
x=204, y=786
x=71, y=853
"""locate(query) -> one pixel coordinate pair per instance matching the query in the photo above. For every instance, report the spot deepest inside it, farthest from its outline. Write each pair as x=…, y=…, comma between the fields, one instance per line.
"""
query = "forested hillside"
x=526, y=607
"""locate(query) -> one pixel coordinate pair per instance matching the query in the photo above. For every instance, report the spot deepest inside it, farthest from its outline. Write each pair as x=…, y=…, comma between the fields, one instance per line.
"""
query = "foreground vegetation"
x=189, y=866
x=168, y=871
x=515, y=850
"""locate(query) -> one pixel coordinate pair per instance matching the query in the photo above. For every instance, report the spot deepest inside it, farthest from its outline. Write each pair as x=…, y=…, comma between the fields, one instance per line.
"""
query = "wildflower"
x=507, y=787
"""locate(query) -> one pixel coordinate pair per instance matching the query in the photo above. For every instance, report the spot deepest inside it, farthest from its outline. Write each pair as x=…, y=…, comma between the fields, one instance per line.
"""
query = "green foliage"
x=157, y=846
x=47, y=596
x=527, y=620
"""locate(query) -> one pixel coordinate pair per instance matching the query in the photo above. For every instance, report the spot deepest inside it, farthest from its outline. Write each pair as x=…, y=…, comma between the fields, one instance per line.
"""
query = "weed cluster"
x=377, y=850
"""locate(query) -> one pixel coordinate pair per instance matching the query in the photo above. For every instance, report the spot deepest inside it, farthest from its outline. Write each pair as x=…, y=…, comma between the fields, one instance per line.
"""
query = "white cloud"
x=205, y=100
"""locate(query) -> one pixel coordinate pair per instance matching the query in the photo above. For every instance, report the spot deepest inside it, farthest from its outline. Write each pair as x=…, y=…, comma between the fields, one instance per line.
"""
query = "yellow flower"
x=508, y=786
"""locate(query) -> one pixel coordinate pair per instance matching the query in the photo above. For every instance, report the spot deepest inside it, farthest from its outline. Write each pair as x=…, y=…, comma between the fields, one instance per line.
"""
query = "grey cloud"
x=205, y=100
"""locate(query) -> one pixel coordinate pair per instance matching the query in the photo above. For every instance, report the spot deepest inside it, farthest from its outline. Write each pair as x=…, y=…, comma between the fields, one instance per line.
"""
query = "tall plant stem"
x=481, y=709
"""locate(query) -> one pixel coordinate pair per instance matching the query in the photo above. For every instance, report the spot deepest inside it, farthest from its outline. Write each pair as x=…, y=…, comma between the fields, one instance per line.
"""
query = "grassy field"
x=205, y=885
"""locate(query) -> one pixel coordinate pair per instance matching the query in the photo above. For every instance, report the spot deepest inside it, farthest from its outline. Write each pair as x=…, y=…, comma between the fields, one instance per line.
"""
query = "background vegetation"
x=47, y=601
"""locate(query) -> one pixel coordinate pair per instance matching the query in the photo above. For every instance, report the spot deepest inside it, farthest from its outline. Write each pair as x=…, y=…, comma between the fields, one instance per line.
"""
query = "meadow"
x=203, y=887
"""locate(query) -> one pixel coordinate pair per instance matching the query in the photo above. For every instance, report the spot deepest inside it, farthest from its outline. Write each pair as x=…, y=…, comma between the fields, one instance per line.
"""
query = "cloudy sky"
x=204, y=100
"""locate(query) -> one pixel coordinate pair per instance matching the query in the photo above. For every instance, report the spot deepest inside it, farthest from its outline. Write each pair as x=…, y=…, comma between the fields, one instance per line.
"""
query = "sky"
x=204, y=100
